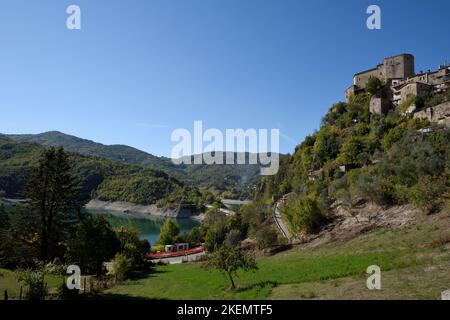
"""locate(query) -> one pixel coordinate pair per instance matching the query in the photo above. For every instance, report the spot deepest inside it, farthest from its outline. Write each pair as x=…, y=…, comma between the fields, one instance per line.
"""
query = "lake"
x=147, y=228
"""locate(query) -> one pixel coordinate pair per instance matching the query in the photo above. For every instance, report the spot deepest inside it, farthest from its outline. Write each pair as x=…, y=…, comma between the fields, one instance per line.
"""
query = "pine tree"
x=51, y=190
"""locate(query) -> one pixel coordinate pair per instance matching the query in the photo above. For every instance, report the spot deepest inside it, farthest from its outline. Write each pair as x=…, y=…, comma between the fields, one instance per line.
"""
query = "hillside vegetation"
x=237, y=181
x=355, y=156
x=98, y=178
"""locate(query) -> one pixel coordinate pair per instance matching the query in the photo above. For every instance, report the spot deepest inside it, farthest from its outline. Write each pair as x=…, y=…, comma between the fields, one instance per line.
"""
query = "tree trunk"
x=231, y=279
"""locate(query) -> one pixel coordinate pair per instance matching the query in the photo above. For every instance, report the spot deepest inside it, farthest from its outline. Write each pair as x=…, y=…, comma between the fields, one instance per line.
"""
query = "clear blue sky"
x=139, y=69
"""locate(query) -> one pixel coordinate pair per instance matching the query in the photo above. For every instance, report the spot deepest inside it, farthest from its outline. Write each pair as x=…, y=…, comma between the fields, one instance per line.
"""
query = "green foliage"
x=196, y=236
x=366, y=185
x=133, y=247
x=122, y=265
x=355, y=151
x=373, y=86
x=412, y=170
x=35, y=286
x=233, y=238
x=303, y=214
x=93, y=243
x=238, y=179
x=266, y=237
x=393, y=135
x=326, y=146
x=215, y=228
x=145, y=189
x=5, y=226
x=361, y=99
x=427, y=193
x=254, y=215
x=169, y=232
x=433, y=99
x=51, y=189
x=98, y=177
x=230, y=260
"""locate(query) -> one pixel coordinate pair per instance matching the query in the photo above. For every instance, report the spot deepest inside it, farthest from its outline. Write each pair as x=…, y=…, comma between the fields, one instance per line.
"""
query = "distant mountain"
x=237, y=181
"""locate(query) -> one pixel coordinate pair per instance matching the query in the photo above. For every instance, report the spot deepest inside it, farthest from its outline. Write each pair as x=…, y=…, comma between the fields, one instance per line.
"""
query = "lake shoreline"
x=133, y=210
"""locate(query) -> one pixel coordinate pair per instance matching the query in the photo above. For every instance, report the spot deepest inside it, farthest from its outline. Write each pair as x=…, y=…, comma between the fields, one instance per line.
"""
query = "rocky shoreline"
x=128, y=209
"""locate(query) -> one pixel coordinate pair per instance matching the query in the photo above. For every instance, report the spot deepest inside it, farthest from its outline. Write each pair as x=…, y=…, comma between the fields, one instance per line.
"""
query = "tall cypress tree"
x=52, y=192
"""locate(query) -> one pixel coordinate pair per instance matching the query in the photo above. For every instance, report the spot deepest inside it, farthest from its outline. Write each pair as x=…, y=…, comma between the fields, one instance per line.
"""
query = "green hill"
x=358, y=156
x=236, y=180
x=98, y=177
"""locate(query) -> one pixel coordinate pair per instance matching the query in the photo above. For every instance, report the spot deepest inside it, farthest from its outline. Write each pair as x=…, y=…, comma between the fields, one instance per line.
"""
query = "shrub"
x=121, y=266
x=367, y=187
x=427, y=193
x=35, y=286
x=133, y=247
x=303, y=214
x=354, y=151
x=266, y=237
x=233, y=238
x=373, y=85
x=394, y=135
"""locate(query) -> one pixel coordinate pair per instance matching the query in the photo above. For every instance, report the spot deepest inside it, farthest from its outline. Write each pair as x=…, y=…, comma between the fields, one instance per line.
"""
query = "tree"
x=168, y=233
x=19, y=238
x=94, y=242
x=4, y=229
x=4, y=219
x=131, y=246
x=51, y=189
x=196, y=236
x=373, y=85
x=354, y=151
x=230, y=260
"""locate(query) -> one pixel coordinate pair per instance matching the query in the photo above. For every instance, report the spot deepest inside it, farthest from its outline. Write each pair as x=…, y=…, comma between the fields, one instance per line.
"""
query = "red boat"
x=163, y=255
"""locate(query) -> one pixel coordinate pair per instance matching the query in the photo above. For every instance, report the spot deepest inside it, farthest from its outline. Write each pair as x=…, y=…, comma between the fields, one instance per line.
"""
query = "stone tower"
x=398, y=67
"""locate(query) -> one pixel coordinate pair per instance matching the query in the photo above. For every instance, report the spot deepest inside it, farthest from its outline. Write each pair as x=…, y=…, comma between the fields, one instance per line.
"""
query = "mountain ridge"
x=236, y=181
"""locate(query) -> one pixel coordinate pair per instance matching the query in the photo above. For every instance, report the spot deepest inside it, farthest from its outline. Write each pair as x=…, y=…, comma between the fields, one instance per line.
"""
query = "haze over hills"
x=237, y=180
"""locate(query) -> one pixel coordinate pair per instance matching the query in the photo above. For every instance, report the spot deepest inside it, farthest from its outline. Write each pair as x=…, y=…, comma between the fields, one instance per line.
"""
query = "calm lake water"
x=147, y=228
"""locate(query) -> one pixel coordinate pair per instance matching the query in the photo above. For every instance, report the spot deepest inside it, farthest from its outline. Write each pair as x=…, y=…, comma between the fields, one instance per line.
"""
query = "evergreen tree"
x=94, y=242
x=51, y=189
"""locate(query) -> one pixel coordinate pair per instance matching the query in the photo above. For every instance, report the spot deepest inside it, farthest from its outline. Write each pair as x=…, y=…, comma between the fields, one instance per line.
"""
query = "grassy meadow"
x=414, y=261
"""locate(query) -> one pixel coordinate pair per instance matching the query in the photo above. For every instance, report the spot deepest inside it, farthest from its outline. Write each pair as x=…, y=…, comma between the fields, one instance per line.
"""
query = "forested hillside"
x=357, y=156
x=237, y=181
x=98, y=177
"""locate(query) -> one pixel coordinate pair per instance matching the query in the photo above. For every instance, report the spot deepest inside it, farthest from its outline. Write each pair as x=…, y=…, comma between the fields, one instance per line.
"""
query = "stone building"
x=439, y=113
x=396, y=67
x=402, y=91
x=401, y=81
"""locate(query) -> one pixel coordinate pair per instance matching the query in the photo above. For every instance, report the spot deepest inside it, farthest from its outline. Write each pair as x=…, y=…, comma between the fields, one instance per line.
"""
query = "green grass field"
x=414, y=263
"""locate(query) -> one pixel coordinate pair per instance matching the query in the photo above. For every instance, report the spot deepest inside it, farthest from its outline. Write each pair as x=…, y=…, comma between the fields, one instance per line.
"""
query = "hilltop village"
x=403, y=87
